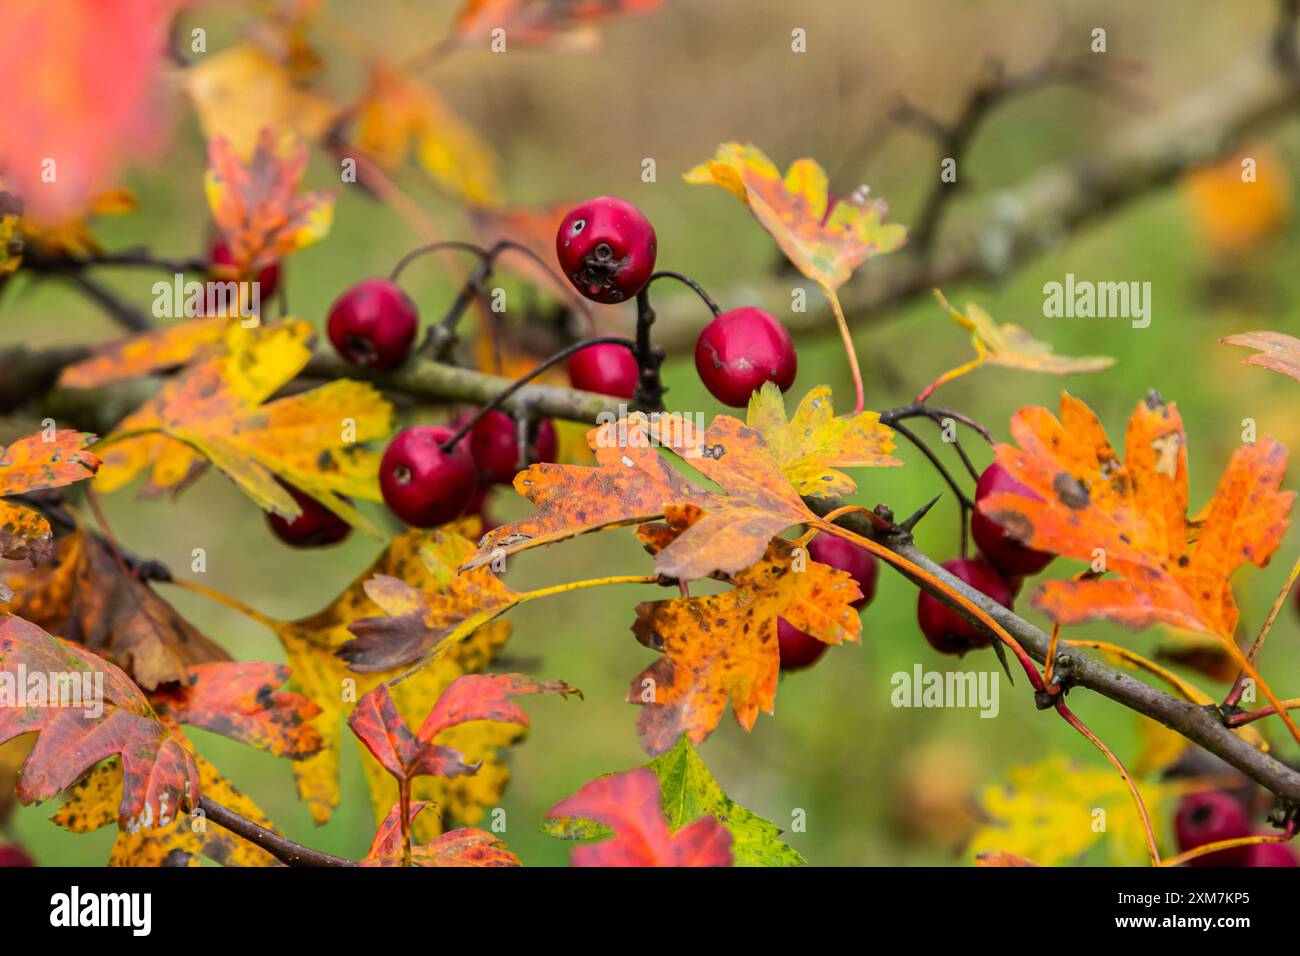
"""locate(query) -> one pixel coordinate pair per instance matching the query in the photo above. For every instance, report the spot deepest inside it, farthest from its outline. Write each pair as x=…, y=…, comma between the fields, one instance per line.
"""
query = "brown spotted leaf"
x=46, y=460
x=723, y=647
x=1135, y=511
x=146, y=353
x=464, y=847
x=1276, y=351
x=632, y=482
x=83, y=596
x=93, y=713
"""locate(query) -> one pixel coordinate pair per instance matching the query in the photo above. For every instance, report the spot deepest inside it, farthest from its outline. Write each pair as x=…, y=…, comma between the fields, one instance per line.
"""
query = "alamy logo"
x=933, y=689
x=1101, y=300
x=684, y=433
x=21, y=688
x=74, y=908
x=180, y=299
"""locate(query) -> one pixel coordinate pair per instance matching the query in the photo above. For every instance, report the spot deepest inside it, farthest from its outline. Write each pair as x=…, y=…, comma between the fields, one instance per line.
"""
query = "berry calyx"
x=604, y=368
x=1270, y=854
x=268, y=277
x=13, y=855
x=860, y=563
x=422, y=484
x=740, y=350
x=798, y=650
x=373, y=324
x=1004, y=552
x=946, y=630
x=607, y=247
x=314, y=527
x=494, y=443
x=1208, y=818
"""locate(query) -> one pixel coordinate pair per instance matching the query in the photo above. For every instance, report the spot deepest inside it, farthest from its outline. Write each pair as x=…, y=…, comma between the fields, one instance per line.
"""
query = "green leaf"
x=688, y=792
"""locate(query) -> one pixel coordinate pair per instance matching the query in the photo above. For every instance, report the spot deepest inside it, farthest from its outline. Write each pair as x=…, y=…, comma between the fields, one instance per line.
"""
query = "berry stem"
x=849, y=351
x=1245, y=717
x=504, y=395
x=688, y=281
x=649, y=389
x=1208, y=848
x=424, y=250
x=1239, y=686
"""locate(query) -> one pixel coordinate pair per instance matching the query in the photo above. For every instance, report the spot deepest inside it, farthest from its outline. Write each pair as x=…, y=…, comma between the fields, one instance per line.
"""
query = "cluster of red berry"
x=1205, y=818
x=607, y=249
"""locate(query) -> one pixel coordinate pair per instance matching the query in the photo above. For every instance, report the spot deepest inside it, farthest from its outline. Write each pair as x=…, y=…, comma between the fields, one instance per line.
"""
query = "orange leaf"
x=723, y=647
x=539, y=22
x=632, y=483
x=146, y=353
x=468, y=846
x=628, y=803
x=1277, y=351
x=825, y=239
x=1136, y=513
x=256, y=207
x=1002, y=858
x=31, y=464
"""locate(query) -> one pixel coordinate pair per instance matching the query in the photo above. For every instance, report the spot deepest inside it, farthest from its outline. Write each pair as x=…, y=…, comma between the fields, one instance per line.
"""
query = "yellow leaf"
x=814, y=442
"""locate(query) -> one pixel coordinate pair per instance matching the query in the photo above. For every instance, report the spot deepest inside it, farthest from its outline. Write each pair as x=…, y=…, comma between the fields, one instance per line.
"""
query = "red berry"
x=494, y=443
x=798, y=650
x=860, y=563
x=315, y=526
x=11, y=854
x=740, y=350
x=606, y=246
x=605, y=368
x=422, y=484
x=1004, y=552
x=1270, y=854
x=946, y=630
x=268, y=277
x=373, y=324
x=1208, y=818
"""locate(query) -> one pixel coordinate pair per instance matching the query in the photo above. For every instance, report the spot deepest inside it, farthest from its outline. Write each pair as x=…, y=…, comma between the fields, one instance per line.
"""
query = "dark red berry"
x=422, y=484
x=11, y=854
x=798, y=650
x=860, y=563
x=268, y=277
x=373, y=324
x=1004, y=552
x=740, y=350
x=1270, y=854
x=494, y=443
x=605, y=368
x=315, y=526
x=606, y=246
x=944, y=628
x=1208, y=818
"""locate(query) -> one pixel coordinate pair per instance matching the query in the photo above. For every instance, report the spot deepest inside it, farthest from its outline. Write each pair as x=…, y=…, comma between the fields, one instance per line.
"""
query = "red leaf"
x=628, y=803
x=468, y=846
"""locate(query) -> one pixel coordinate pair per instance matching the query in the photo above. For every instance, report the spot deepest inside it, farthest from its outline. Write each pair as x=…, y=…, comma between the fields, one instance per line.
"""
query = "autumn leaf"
x=723, y=646
x=72, y=238
x=93, y=804
x=48, y=460
x=418, y=620
x=1046, y=812
x=1009, y=346
x=256, y=206
x=1277, y=351
x=398, y=114
x=405, y=755
x=814, y=443
x=1135, y=511
x=11, y=243
x=535, y=23
x=215, y=411
x=311, y=644
x=687, y=793
x=146, y=353
x=463, y=847
x=1233, y=213
x=240, y=91
x=83, y=596
x=826, y=240
x=94, y=712
x=629, y=805
x=240, y=700
x=1002, y=859
x=632, y=483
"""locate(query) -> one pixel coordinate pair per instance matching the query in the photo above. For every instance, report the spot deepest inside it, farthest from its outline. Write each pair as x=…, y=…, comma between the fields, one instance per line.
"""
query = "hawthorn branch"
x=1202, y=726
x=283, y=849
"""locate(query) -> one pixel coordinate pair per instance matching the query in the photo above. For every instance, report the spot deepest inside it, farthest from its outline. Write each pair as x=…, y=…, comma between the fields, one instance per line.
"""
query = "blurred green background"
x=879, y=785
